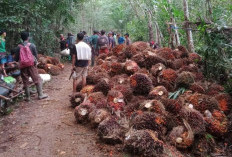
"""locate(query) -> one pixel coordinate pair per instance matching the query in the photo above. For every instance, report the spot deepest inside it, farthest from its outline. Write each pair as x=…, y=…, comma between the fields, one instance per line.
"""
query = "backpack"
x=103, y=42
x=25, y=56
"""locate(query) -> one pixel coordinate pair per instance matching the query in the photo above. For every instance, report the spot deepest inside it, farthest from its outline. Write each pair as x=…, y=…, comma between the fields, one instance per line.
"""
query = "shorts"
x=3, y=59
x=30, y=72
x=80, y=72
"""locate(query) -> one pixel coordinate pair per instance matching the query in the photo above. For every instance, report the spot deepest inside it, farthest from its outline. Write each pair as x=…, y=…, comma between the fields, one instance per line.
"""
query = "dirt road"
x=47, y=128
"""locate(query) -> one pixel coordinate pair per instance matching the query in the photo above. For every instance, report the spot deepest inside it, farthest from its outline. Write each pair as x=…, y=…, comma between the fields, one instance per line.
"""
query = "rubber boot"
x=27, y=93
x=41, y=95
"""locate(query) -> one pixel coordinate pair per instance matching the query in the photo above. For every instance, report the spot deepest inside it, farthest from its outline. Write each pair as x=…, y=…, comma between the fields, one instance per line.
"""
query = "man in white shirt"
x=81, y=56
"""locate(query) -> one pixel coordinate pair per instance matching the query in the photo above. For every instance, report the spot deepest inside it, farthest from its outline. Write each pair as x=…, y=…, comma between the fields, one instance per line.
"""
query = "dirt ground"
x=47, y=128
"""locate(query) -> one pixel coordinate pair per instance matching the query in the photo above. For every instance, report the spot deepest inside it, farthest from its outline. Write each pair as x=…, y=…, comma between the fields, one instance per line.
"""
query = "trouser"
x=30, y=72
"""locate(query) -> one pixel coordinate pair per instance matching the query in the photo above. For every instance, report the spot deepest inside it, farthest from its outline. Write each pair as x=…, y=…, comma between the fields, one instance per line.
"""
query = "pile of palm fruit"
x=49, y=65
x=155, y=103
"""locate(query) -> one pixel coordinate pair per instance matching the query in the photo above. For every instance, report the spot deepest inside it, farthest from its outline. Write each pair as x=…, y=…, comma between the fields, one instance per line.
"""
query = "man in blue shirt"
x=121, y=40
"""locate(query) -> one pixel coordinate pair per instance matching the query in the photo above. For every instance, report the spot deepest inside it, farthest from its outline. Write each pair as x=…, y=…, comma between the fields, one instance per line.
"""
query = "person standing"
x=81, y=55
x=111, y=41
x=63, y=45
x=26, y=55
x=3, y=58
x=93, y=43
x=121, y=40
x=103, y=43
x=127, y=41
x=86, y=38
x=70, y=40
x=115, y=39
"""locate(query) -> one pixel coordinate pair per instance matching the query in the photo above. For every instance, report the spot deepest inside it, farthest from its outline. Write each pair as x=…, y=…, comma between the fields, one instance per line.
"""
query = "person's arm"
x=73, y=54
x=16, y=55
x=34, y=50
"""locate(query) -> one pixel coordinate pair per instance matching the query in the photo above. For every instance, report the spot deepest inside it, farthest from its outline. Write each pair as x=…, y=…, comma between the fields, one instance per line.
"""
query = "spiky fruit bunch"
x=77, y=99
x=202, y=102
x=61, y=66
x=215, y=89
x=96, y=97
x=116, y=100
x=130, y=51
x=153, y=106
x=198, y=87
x=140, y=45
x=190, y=68
x=112, y=58
x=94, y=78
x=194, y=58
x=54, y=60
x=141, y=84
x=171, y=151
x=194, y=118
x=185, y=79
x=149, y=120
x=154, y=80
x=140, y=60
x=102, y=104
x=172, y=105
x=184, y=51
x=177, y=63
x=168, y=75
x=116, y=68
x=217, y=124
x=182, y=137
x=152, y=59
x=156, y=69
x=133, y=105
x=102, y=86
x=106, y=66
x=118, y=49
x=131, y=67
x=199, y=76
x=97, y=116
x=82, y=111
x=166, y=53
x=158, y=92
x=102, y=56
x=224, y=102
x=125, y=90
x=87, y=89
x=54, y=70
x=42, y=71
x=100, y=62
x=143, y=71
x=120, y=80
x=143, y=142
x=110, y=131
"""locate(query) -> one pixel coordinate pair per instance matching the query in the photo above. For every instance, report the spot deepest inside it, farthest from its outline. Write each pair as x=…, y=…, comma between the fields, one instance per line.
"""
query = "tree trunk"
x=150, y=27
x=187, y=27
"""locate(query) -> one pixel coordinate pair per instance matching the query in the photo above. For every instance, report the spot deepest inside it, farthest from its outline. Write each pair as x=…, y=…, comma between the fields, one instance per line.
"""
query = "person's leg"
x=74, y=86
x=25, y=79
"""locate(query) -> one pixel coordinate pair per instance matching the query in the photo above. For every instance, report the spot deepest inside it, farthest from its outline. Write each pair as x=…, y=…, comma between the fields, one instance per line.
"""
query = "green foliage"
x=176, y=94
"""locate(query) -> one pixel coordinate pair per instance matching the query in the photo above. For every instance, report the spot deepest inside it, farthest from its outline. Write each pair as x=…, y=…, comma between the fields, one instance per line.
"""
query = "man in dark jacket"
x=30, y=71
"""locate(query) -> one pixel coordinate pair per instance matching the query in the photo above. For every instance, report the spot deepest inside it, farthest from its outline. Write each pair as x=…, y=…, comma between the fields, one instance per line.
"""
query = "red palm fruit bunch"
x=143, y=71
x=77, y=99
x=82, y=111
x=102, y=104
x=102, y=86
x=125, y=90
x=87, y=89
x=153, y=106
x=194, y=58
x=184, y=51
x=151, y=121
x=139, y=59
x=178, y=54
x=111, y=59
x=215, y=89
x=115, y=100
x=118, y=49
x=217, y=123
x=106, y=66
x=141, y=84
x=191, y=68
x=100, y=61
x=120, y=80
x=152, y=59
x=199, y=76
x=130, y=51
x=158, y=92
x=116, y=68
x=194, y=118
x=185, y=79
x=224, y=102
x=198, y=87
x=102, y=56
x=153, y=79
x=54, y=70
x=96, y=97
x=168, y=75
x=202, y=102
x=54, y=60
x=171, y=151
x=131, y=67
x=143, y=143
x=182, y=136
x=166, y=53
x=42, y=71
x=177, y=63
x=110, y=131
x=140, y=46
x=61, y=66
x=97, y=116
x=173, y=105
x=94, y=78
x=133, y=105
x=156, y=69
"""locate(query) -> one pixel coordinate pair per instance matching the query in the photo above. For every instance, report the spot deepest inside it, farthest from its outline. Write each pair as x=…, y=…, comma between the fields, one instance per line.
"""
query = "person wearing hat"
x=3, y=58
x=127, y=39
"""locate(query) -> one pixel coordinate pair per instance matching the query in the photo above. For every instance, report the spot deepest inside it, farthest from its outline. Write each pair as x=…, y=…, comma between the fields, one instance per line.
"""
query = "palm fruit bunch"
x=98, y=115
x=87, y=89
x=171, y=151
x=42, y=71
x=110, y=131
x=54, y=70
x=153, y=106
x=115, y=100
x=152, y=59
x=157, y=68
x=151, y=121
x=96, y=97
x=106, y=66
x=215, y=89
x=102, y=86
x=184, y=51
x=173, y=105
x=143, y=142
x=130, y=51
x=118, y=49
x=140, y=46
x=94, y=77
x=166, y=53
x=158, y=92
x=139, y=59
x=116, y=68
x=194, y=58
x=141, y=84
x=133, y=105
x=82, y=112
x=120, y=80
x=224, y=102
x=102, y=56
x=126, y=91
x=185, y=79
x=131, y=67
x=182, y=137
x=194, y=118
x=77, y=99
x=198, y=87
x=168, y=75
x=177, y=63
